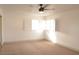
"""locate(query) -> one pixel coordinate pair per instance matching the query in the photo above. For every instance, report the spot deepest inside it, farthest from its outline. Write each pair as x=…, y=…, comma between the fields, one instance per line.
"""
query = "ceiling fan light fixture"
x=41, y=11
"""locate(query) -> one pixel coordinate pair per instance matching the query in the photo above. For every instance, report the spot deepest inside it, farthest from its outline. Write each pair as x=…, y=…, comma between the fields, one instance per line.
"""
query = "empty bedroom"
x=39, y=29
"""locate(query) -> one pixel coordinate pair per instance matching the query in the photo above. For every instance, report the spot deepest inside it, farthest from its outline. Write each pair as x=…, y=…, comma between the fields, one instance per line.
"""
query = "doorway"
x=0, y=30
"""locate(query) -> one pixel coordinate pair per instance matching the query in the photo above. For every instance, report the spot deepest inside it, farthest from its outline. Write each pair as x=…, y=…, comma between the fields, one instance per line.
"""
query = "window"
x=50, y=25
x=35, y=25
x=45, y=25
x=41, y=25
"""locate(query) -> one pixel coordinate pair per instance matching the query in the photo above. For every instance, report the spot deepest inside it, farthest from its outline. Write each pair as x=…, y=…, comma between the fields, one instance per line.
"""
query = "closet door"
x=0, y=30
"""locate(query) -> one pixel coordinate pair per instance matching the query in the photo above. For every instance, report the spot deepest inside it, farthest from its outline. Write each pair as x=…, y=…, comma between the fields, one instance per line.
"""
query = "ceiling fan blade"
x=50, y=9
x=45, y=5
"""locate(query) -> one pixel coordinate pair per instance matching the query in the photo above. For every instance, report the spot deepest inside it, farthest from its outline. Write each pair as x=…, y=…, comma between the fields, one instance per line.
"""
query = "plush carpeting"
x=42, y=47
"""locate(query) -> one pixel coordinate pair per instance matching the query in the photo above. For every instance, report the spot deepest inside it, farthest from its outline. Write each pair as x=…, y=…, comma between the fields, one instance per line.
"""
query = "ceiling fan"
x=44, y=7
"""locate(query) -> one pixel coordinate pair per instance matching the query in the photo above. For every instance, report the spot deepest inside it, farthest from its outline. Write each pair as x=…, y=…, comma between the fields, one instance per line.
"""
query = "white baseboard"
x=22, y=40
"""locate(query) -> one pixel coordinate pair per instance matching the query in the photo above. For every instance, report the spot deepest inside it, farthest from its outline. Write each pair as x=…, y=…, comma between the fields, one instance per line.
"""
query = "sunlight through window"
x=45, y=25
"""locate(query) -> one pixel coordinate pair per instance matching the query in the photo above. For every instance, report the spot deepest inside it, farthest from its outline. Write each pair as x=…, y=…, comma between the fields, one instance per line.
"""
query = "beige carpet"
x=42, y=47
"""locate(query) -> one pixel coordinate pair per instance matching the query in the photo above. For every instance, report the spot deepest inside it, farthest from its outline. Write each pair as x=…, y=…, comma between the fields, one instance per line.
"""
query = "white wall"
x=67, y=29
x=17, y=26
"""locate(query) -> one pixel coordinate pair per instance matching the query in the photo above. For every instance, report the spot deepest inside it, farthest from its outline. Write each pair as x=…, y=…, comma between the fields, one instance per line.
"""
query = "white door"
x=0, y=30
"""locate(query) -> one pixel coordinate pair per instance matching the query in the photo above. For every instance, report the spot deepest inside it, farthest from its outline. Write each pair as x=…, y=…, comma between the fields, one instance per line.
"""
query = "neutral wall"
x=67, y=29
x=18, y=26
